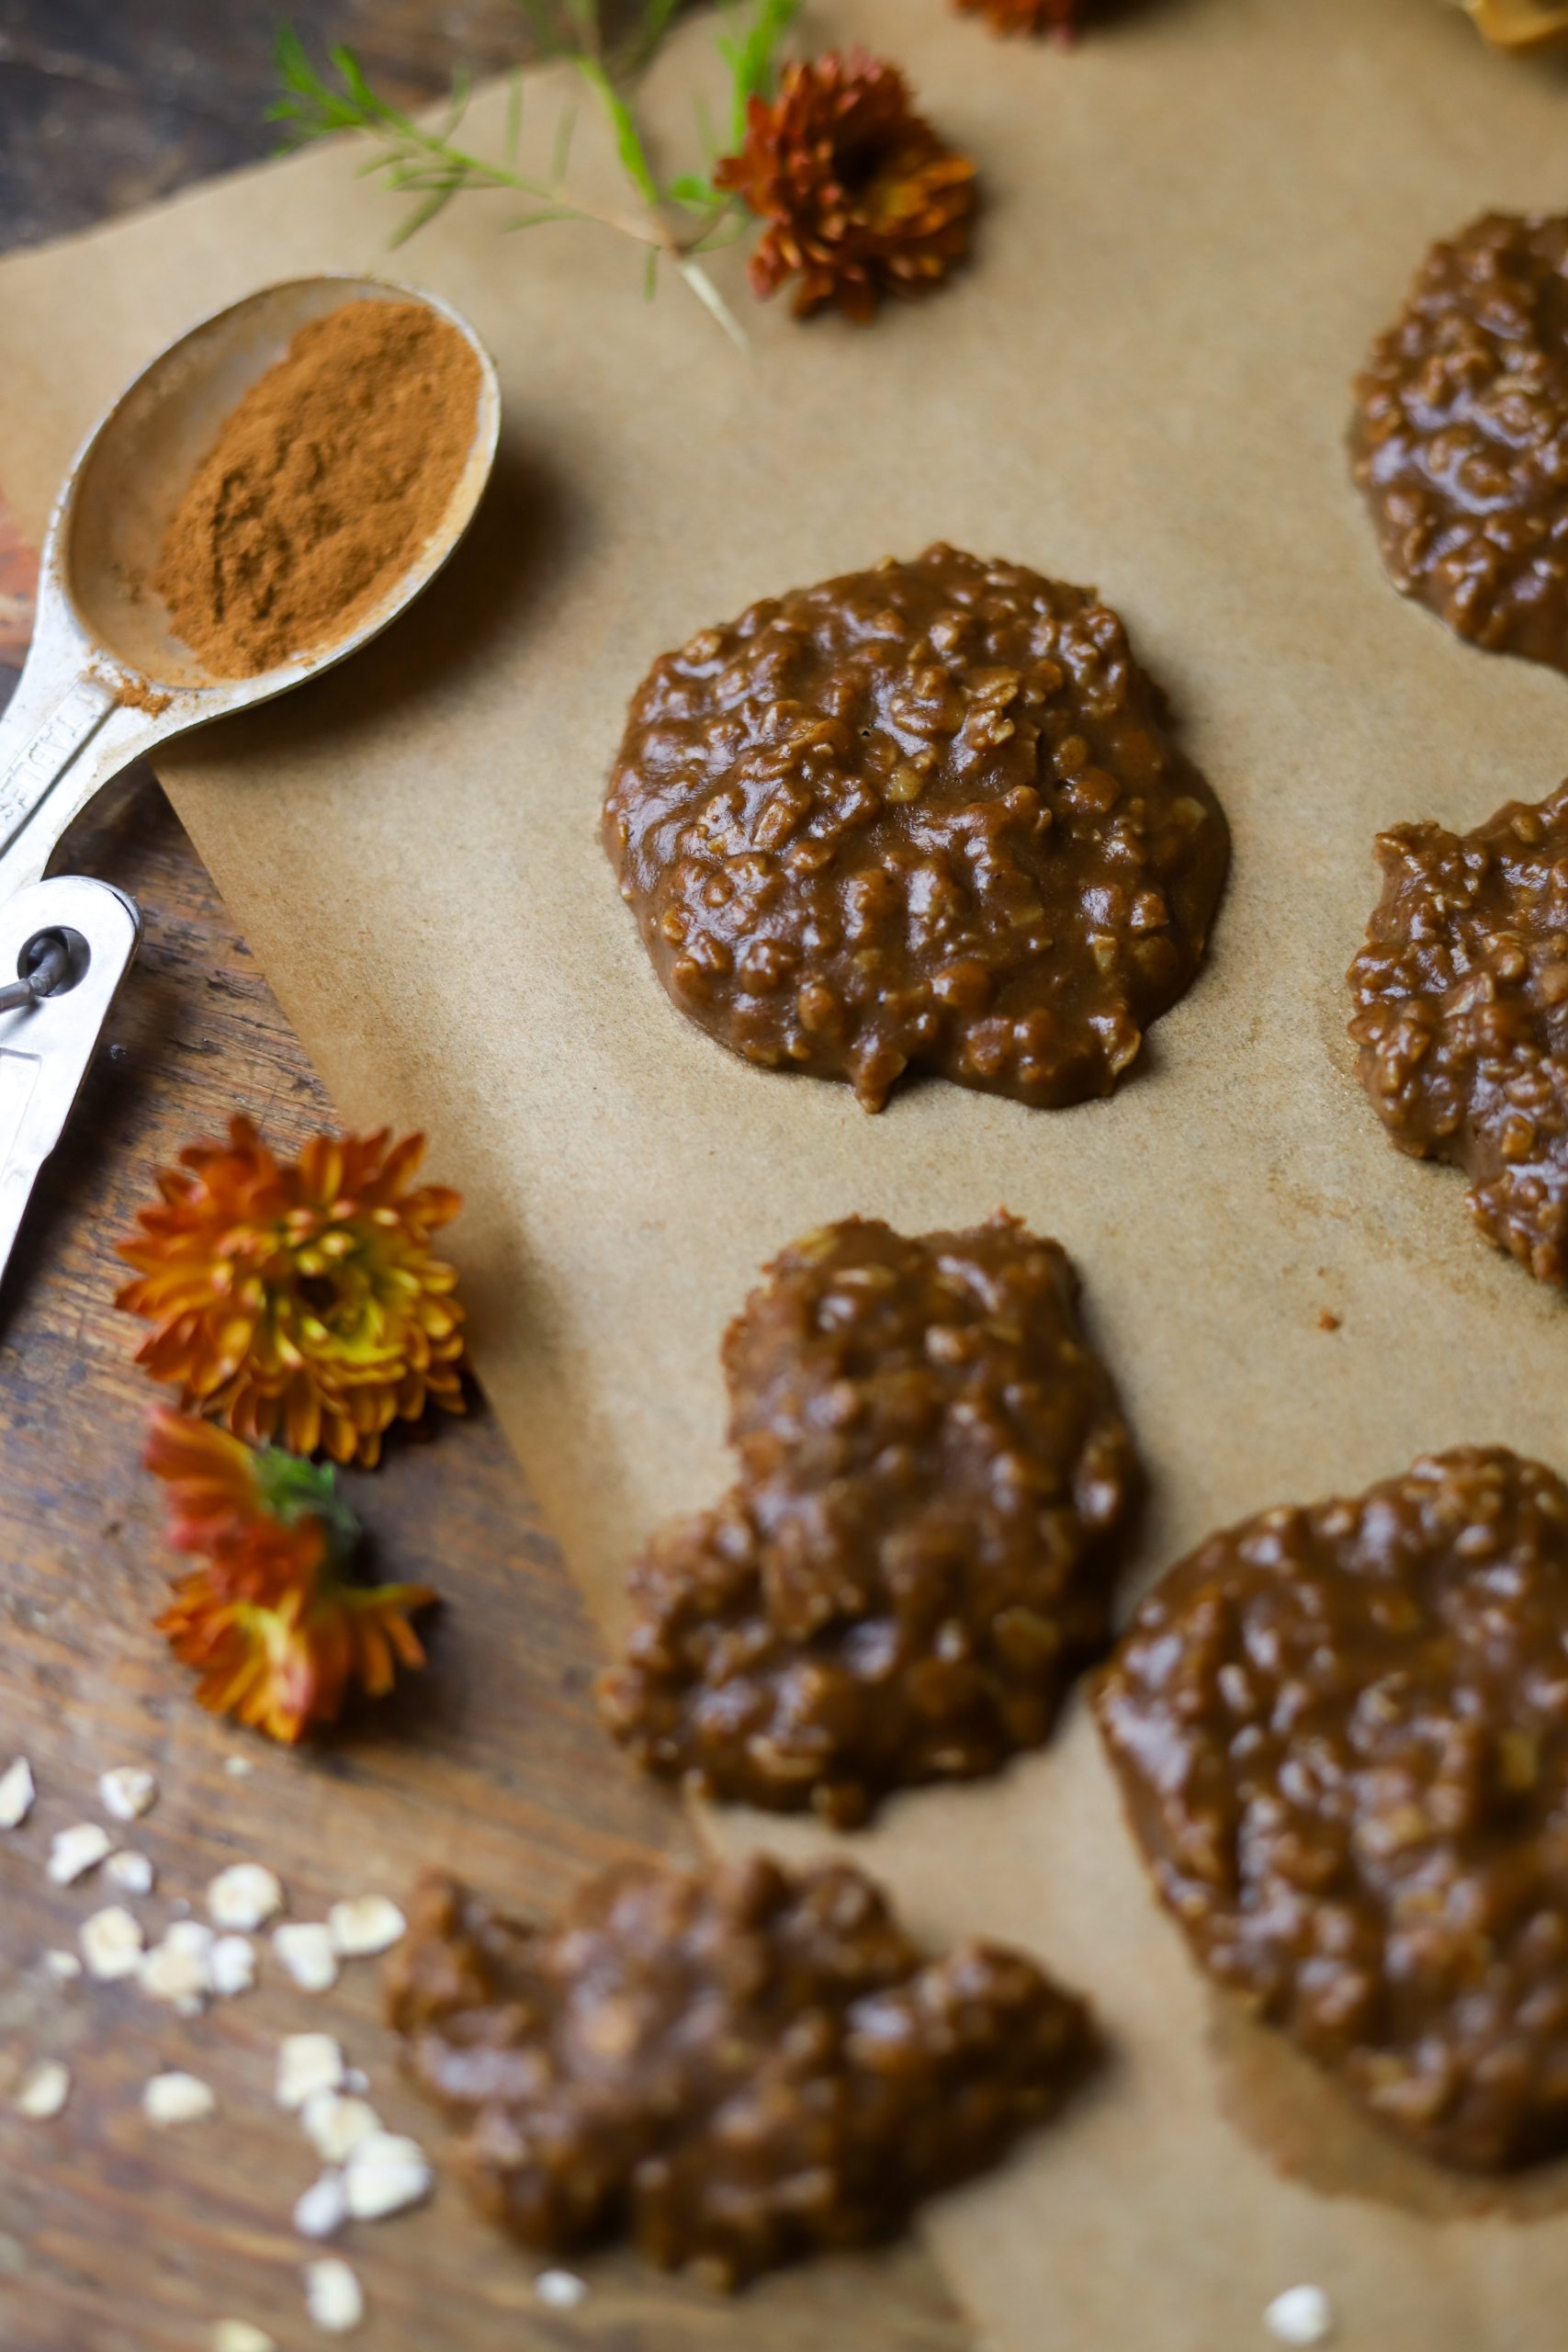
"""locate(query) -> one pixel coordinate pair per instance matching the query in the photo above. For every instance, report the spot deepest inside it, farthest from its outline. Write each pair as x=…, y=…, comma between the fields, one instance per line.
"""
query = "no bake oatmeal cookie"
x=936, y=1485
x=1461, y=436
x=733, y=2066
x=1462, y=1019
x=927, y=817
x=1342, y=1732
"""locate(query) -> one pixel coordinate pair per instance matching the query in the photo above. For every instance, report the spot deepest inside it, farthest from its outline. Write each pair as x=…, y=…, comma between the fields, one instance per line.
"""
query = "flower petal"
x=297, y=1297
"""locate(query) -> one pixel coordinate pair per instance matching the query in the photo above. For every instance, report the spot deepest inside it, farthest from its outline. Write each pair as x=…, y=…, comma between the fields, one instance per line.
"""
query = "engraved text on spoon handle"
x=35, y=755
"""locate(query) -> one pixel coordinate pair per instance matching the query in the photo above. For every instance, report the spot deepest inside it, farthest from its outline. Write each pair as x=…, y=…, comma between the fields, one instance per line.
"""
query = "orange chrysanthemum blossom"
x=1062, y=18
x=273, y=1622
x=861, y=196
x=297, y=1301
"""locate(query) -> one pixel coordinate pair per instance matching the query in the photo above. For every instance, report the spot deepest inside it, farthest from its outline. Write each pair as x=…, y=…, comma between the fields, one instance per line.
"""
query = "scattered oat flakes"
x=369, y=1924
x=333, y=2296
x=111, y=1943
x=16, y=1793
x=179, y=1969
x=131, y=1870
x=73, y=1852
x=308, y=2064
x=44, y=2090
x=561, y=2291
x=386, y=2174
x=245, y=1896
x=177, y=2098
x=127, y=1792
x=233, y=1966
x=239, y=1768
x=305, y=1947
x=323, y=2209
x=240, y=2336
x=335, y=2125
x=63, y=1966
x=1300, y=2315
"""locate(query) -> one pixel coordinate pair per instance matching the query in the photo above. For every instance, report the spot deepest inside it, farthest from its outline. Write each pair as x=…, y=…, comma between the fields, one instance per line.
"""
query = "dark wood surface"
x=114, y=2237
x=106, y=103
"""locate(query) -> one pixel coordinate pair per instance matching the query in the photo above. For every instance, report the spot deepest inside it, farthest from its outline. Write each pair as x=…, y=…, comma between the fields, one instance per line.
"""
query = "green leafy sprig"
x=676, y=220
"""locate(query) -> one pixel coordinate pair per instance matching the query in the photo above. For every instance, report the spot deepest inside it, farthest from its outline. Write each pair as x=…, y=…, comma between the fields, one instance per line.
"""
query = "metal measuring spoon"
x=106, y=682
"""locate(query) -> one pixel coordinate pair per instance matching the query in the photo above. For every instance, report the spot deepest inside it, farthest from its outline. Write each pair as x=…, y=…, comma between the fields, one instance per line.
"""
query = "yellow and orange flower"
x=273, y=1622
x=297, y=1301
x=861, y=196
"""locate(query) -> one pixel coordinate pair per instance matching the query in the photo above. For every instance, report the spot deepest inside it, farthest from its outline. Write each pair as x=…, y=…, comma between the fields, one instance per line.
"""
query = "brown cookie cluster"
x=1461, y=997
x=1342, y=1732
x=925, y=817
x=733, y=2066
x=1461, y=436
x=935, y=1482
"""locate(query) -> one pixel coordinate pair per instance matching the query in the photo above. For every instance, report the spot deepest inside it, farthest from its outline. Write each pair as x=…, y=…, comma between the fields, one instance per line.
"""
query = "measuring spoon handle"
x=66, y=732
x=47, y=1048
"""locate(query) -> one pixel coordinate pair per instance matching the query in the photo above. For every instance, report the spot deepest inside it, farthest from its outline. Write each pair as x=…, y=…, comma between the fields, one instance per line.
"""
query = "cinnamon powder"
x=321, y=487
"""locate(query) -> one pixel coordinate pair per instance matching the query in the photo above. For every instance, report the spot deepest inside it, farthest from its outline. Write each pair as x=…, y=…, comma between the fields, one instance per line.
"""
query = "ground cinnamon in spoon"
x=321, y=486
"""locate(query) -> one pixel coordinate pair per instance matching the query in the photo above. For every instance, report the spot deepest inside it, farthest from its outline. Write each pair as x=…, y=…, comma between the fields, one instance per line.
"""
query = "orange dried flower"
x=1058, y=16
x=863, y=198
x=272, y=1620
x=297, y=1300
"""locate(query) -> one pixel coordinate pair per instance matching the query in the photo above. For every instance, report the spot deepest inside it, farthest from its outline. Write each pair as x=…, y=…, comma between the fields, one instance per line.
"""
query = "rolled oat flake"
x=1302, y=2315
x=178, y=2098
x=240, y=2336
x=308, y=2065
x=127, y=1792
x=75, y=1851
x=44, y=2091
x=305, y=1947
x=333, y=2296
x=245, y=1897
x=16, y=1793
x=561, y=2291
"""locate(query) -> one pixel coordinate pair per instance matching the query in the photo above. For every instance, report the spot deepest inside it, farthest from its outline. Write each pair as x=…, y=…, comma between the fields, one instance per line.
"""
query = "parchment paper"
x=1195, y=223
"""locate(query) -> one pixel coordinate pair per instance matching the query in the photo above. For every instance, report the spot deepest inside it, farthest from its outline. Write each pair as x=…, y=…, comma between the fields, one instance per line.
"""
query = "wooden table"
x=115, y=2237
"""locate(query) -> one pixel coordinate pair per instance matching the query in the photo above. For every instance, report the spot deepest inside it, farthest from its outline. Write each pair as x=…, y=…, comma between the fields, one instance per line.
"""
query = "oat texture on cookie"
x=928, y=817
x=733, y=2066
x=1342, y=1732
x=936, y=1484
x=1459, y=440
x=1462, y=1016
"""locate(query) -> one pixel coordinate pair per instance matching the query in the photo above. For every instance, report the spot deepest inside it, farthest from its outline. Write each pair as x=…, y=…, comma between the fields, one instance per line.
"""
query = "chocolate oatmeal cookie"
x=1342, y=1732
x=935, y=1484
x=1462, y=995
x=1460, y=436
x=735, y=2066
x=925, y=817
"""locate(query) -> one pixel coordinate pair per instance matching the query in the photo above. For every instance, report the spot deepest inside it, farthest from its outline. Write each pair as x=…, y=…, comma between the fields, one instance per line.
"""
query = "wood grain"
x=106, y=107
x=115, y=2237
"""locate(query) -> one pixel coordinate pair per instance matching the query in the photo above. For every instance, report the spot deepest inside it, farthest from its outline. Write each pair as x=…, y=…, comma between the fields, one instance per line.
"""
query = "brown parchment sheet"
x=1195, y=222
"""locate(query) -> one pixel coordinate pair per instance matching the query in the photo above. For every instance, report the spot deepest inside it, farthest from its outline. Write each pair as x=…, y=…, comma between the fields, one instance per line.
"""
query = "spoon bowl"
x=106, y=679
x=104, y=544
